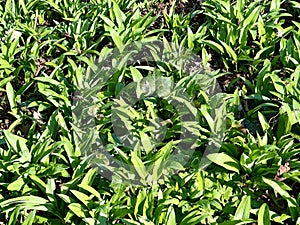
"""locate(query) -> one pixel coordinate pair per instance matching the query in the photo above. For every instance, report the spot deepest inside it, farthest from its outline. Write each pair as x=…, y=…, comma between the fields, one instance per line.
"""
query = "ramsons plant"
x=252, y=50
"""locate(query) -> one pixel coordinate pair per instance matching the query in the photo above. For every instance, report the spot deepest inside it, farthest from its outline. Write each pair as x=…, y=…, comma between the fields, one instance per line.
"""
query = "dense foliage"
x=251, y=47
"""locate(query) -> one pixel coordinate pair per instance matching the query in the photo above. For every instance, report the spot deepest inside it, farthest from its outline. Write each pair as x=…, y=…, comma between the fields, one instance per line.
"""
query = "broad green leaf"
x=261, y=29
x=146, y=142
x=135, y=73
x=11, y=98
x=89, y=177
x=68, y=149
x=277, y=188
x=65, y=198
x=90, y=189
x=118, y=40
x=191, y=37
x=30, y=218
x=200, y=180
x=164, y=152
x=230, y=51
x=77, y=209
x=5, y=81
x=17, y=143
x=50, y=188
x=16, y=185
x=204, y=110
x=217, y=47
x=139, y=165
x=24, y=200
x=225, y=161
x=81, y=197
x=243, y=210
x=139, y=200
x=107, y=21
x=278, y=83
x=275, y=5
x=193, y=218
x=171, y=217
x=48, y=80
x=119, y=15
x=263, y=122
x=89, y=221
x=264, y=215
x=293, y=206
x=252, y=18
x=38, y=181
x=54, y=5
x=14, y=216
x=5, y=65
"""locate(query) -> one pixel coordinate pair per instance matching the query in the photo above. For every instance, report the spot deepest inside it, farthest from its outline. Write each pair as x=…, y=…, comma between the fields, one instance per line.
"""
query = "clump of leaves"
x=46, y=49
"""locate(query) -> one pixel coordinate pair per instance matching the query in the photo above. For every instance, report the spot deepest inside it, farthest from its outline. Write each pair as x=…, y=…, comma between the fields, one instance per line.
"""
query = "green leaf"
x=264, y=215
x=146, y=142
x=275, y=5
x=16, y=143
x=277, y=188
x=54, y=5
x=30, y=218
x=24, y=200
x=225, y=161
x=139, y=200
x=263, y=122
x=50, y=188
x=139, y=165
x=171, y=217
x=81, y=197
x=89, y=177
x=135, y=73
x=230, y=51
x=243, y=210
x=119, y=15
x=5, y=81
x=107, y=21
x=90, y=189
x=117, y=39
x=204, y=110
x=5, y=65
x=278, y=83
x=65, y=198
x=217, y=47
x=16, y=185
x=77, y=210
x=41, y=184
x=193, y=218
x=191, y=38
x=14, y=216
x=11, y=98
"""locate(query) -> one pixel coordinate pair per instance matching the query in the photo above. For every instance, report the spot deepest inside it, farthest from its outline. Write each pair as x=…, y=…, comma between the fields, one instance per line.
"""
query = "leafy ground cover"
x=251, y=47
